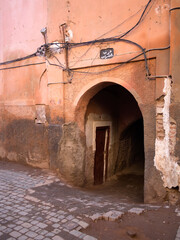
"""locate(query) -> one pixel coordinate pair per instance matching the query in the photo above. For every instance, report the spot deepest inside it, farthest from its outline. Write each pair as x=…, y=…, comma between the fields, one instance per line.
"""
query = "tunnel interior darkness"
x=116, y=104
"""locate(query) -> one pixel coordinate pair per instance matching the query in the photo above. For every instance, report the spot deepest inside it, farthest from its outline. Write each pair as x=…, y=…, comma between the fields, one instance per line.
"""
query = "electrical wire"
x=120, y=24
x=26, y=65
x=175, y=8
x=106, y=39
x=64, y=45
x=58, y=61
x=147, y=12
x=84, y=76
x=87, y=72
x=119, y=65
x=138, y=20
x=117, y=26
x=137, y=45
x=79, y=58
x=18, y=59
x=107, y=70
x=42, y=76
x=70, y=45
x=56, y=65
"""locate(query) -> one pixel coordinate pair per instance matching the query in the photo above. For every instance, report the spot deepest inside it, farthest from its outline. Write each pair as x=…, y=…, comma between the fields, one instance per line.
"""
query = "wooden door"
x=101, y=154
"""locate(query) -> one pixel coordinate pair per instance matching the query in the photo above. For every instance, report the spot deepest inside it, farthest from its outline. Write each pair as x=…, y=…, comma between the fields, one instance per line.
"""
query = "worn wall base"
x=26, y=141
x=72, y=154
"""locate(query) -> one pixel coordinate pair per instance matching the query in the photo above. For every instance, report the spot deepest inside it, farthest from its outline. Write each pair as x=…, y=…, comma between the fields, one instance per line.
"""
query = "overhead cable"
x=138, y=20
x=18, y=59
x=26, y=65
x=120, y=64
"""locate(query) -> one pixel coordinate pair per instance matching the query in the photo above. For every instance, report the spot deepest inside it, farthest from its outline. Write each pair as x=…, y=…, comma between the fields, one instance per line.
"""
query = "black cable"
x=93, y=73
x=104, y=39
x=42, y=76
x=26, y=65
x=134, y=43
x=56, y=65
x=119, y=65
x=157, y=49
x=108, y=70
x=120, y=24
x=64, y=45
x=18, y=59
x=143, y=51
x=58, y=61
x=138, y=20
x=92, y=43
x=119, y=35
x=172, y=9
x=121, y=40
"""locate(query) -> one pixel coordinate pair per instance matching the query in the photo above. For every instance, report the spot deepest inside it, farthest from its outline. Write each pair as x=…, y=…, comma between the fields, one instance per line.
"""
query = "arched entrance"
x=114, y=134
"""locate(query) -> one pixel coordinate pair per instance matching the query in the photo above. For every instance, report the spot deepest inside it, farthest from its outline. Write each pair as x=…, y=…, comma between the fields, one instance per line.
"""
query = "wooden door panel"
x=99, y=155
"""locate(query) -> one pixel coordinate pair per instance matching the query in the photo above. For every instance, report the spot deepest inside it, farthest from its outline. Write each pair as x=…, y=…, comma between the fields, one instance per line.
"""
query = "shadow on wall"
x=114, y=107
x=131, y=149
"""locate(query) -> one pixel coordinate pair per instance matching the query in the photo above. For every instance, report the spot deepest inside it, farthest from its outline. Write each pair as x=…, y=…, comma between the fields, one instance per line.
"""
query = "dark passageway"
x=115, y=108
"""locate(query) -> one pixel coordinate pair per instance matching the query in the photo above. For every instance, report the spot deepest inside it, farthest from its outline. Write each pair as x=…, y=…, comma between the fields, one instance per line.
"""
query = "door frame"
x=101, y=124
x=105, y=151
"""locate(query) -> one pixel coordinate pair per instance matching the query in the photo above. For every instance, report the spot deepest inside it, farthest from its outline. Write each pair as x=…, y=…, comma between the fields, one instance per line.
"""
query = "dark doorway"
x=101, y=154
x=131, y=148
x=116, y=107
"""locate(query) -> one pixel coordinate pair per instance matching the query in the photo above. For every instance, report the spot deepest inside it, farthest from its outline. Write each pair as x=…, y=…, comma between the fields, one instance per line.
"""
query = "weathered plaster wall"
x=167, y=117
x=110, y=19
x=23, y=94
x=75, y=109
x=72, y=154
x=23, y=88
x=165, y=159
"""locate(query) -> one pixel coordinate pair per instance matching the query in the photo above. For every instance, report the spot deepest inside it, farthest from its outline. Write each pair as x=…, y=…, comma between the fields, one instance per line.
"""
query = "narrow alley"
x=36, y=204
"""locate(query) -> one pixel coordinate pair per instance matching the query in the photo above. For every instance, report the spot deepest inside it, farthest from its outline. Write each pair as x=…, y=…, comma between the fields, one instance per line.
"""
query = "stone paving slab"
x=35, y=204
x=137, y=211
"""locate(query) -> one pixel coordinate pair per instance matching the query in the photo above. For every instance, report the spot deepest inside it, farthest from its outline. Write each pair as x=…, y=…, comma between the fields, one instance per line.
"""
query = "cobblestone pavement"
x=35, y=204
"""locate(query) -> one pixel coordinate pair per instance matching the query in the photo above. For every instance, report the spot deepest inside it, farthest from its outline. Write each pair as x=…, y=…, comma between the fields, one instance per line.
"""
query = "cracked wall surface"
x=165, y=160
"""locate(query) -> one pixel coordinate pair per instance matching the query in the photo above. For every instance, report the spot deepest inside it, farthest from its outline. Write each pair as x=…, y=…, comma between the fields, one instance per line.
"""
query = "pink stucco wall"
x=27, y=92
x=21, y=22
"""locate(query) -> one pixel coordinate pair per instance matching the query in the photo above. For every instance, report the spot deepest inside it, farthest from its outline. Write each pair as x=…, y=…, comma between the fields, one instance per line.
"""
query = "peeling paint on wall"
x=165, y=160
x=40, y=114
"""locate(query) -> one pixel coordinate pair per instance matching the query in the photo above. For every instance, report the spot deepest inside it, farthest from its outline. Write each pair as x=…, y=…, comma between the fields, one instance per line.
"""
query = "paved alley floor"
x=36, y=204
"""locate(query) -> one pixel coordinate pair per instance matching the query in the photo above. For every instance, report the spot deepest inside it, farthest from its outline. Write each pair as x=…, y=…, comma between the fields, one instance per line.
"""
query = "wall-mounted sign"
x=107, y=53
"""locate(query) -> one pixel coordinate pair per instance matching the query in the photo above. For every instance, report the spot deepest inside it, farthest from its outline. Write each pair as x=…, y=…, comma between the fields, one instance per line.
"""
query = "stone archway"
x=89, y=90
x=114, y=107
x=77, y=145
